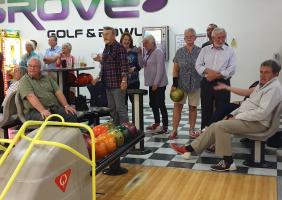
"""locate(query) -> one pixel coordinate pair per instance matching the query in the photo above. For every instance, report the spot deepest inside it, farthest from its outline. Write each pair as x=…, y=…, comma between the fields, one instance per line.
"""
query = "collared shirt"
x=52, y=52
x=26, y=57
x=154, y=69
x=219, y=59
x=114, y=65
x=188, y=78
x=261, y=104
x=43, y=88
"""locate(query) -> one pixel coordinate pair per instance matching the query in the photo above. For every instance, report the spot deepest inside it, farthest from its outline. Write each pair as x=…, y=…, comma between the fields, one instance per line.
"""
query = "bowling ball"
x=88, y=143
x=109, y=141
x=132, y=130
x=118, y=137
x=109, y=125
x=100, y=149
x=100, y=129
x=84, y=79
x=176, y=95
x=125, y=133
x=127, y=136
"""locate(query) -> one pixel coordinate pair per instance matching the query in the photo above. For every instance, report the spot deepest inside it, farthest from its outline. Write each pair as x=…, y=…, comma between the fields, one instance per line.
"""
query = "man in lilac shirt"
x=156, y=78
x=216, y=63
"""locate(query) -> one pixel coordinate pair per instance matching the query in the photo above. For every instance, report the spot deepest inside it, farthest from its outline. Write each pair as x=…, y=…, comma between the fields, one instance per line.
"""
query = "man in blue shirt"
x=52, y=53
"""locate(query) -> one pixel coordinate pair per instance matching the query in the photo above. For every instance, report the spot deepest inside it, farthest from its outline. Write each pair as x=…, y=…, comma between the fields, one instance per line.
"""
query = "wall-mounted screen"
x=161, y=35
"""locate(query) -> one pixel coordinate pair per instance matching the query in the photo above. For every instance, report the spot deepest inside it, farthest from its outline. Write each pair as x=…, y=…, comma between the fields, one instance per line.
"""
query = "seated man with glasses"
x=42, y=96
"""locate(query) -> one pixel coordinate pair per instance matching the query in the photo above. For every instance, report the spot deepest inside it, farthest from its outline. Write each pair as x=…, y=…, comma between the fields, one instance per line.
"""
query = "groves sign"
x=85, y=13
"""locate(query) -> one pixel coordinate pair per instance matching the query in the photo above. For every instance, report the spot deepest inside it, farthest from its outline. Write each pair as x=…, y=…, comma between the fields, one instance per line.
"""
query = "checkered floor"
x=162, y=155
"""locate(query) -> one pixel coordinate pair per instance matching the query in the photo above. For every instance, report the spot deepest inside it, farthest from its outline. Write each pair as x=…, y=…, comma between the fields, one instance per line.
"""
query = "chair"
x=259, y=139
x=9, y=116
x=20, y=107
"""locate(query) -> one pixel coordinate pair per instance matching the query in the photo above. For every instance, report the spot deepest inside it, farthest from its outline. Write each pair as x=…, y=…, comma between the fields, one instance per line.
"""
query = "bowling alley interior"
x=140, y=100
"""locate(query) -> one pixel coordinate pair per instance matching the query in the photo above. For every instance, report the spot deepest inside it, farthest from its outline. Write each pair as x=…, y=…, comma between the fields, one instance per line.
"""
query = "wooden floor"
x=155, y=183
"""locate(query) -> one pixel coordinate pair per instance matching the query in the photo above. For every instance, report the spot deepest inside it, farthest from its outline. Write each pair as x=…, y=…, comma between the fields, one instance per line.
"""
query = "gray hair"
x=218, y=30
x=29, y=42
x=109, y=28
x=273, y=65
x=190, y=30
x=67, y=45
x=150, y=38
x=36, y=59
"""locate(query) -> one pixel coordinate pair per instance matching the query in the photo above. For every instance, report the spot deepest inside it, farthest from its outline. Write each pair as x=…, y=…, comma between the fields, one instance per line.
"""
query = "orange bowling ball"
x=99, y=130
x=100, y=149
x=109, y=141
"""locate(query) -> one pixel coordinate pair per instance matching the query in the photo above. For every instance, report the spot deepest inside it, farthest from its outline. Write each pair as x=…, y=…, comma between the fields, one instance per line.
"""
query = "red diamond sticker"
x=63, y=179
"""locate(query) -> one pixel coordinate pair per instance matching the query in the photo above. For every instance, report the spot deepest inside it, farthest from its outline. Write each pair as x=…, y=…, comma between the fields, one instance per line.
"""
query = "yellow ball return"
x=46, y=164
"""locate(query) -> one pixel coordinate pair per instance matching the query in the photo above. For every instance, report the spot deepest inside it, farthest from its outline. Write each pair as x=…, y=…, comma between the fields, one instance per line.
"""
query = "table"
x=62, y=74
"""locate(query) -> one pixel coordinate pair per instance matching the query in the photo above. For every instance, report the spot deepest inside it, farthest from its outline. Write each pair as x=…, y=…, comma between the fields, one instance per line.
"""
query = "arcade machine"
x=10, y=44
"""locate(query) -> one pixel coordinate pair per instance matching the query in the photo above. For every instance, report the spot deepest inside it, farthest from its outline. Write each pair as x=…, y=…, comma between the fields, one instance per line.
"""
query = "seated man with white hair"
x=42, y=96
x=30, y=52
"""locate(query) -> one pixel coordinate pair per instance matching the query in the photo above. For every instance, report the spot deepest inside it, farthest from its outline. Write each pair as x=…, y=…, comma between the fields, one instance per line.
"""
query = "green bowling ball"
x=176, y=95
x=118, y=137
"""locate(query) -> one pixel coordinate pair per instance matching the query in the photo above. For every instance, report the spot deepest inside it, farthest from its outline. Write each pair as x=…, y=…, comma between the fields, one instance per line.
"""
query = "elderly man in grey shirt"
x=253, y=116
x=215, y=63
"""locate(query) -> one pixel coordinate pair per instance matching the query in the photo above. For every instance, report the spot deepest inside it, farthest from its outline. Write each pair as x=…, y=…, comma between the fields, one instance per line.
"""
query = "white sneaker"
x=186, y=155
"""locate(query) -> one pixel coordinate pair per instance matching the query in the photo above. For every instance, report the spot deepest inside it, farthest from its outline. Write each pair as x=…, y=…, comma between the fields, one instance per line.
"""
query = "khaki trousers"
x=219, y=133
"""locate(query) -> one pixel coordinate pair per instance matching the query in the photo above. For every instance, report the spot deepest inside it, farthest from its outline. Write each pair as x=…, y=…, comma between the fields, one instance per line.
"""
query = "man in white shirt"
x=216, y=63
x=254, y=115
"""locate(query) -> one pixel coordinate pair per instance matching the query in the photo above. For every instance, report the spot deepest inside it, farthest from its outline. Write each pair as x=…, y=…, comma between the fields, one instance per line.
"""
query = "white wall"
x=255, y=24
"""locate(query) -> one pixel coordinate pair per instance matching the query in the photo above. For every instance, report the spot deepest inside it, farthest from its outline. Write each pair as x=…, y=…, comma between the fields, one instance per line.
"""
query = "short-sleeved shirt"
x=114, y=65
x=52, y=52
x=188, y=78
x=44, y=89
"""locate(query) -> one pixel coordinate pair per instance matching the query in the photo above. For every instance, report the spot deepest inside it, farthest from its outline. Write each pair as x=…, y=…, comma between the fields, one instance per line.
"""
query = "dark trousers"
x=212, y=100
x=135, y=85
x=35, y=115
x=157, y=102
x=222, y=112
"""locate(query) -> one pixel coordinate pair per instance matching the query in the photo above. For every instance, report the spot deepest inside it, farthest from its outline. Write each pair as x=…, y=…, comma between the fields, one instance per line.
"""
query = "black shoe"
x=223, y=166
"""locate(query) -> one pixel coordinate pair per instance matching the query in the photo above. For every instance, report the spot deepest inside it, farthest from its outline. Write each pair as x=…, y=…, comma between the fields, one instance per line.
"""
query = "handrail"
x=36, y=140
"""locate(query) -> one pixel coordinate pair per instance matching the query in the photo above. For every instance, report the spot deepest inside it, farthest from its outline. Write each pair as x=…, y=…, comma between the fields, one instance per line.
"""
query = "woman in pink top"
x=65, y=60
